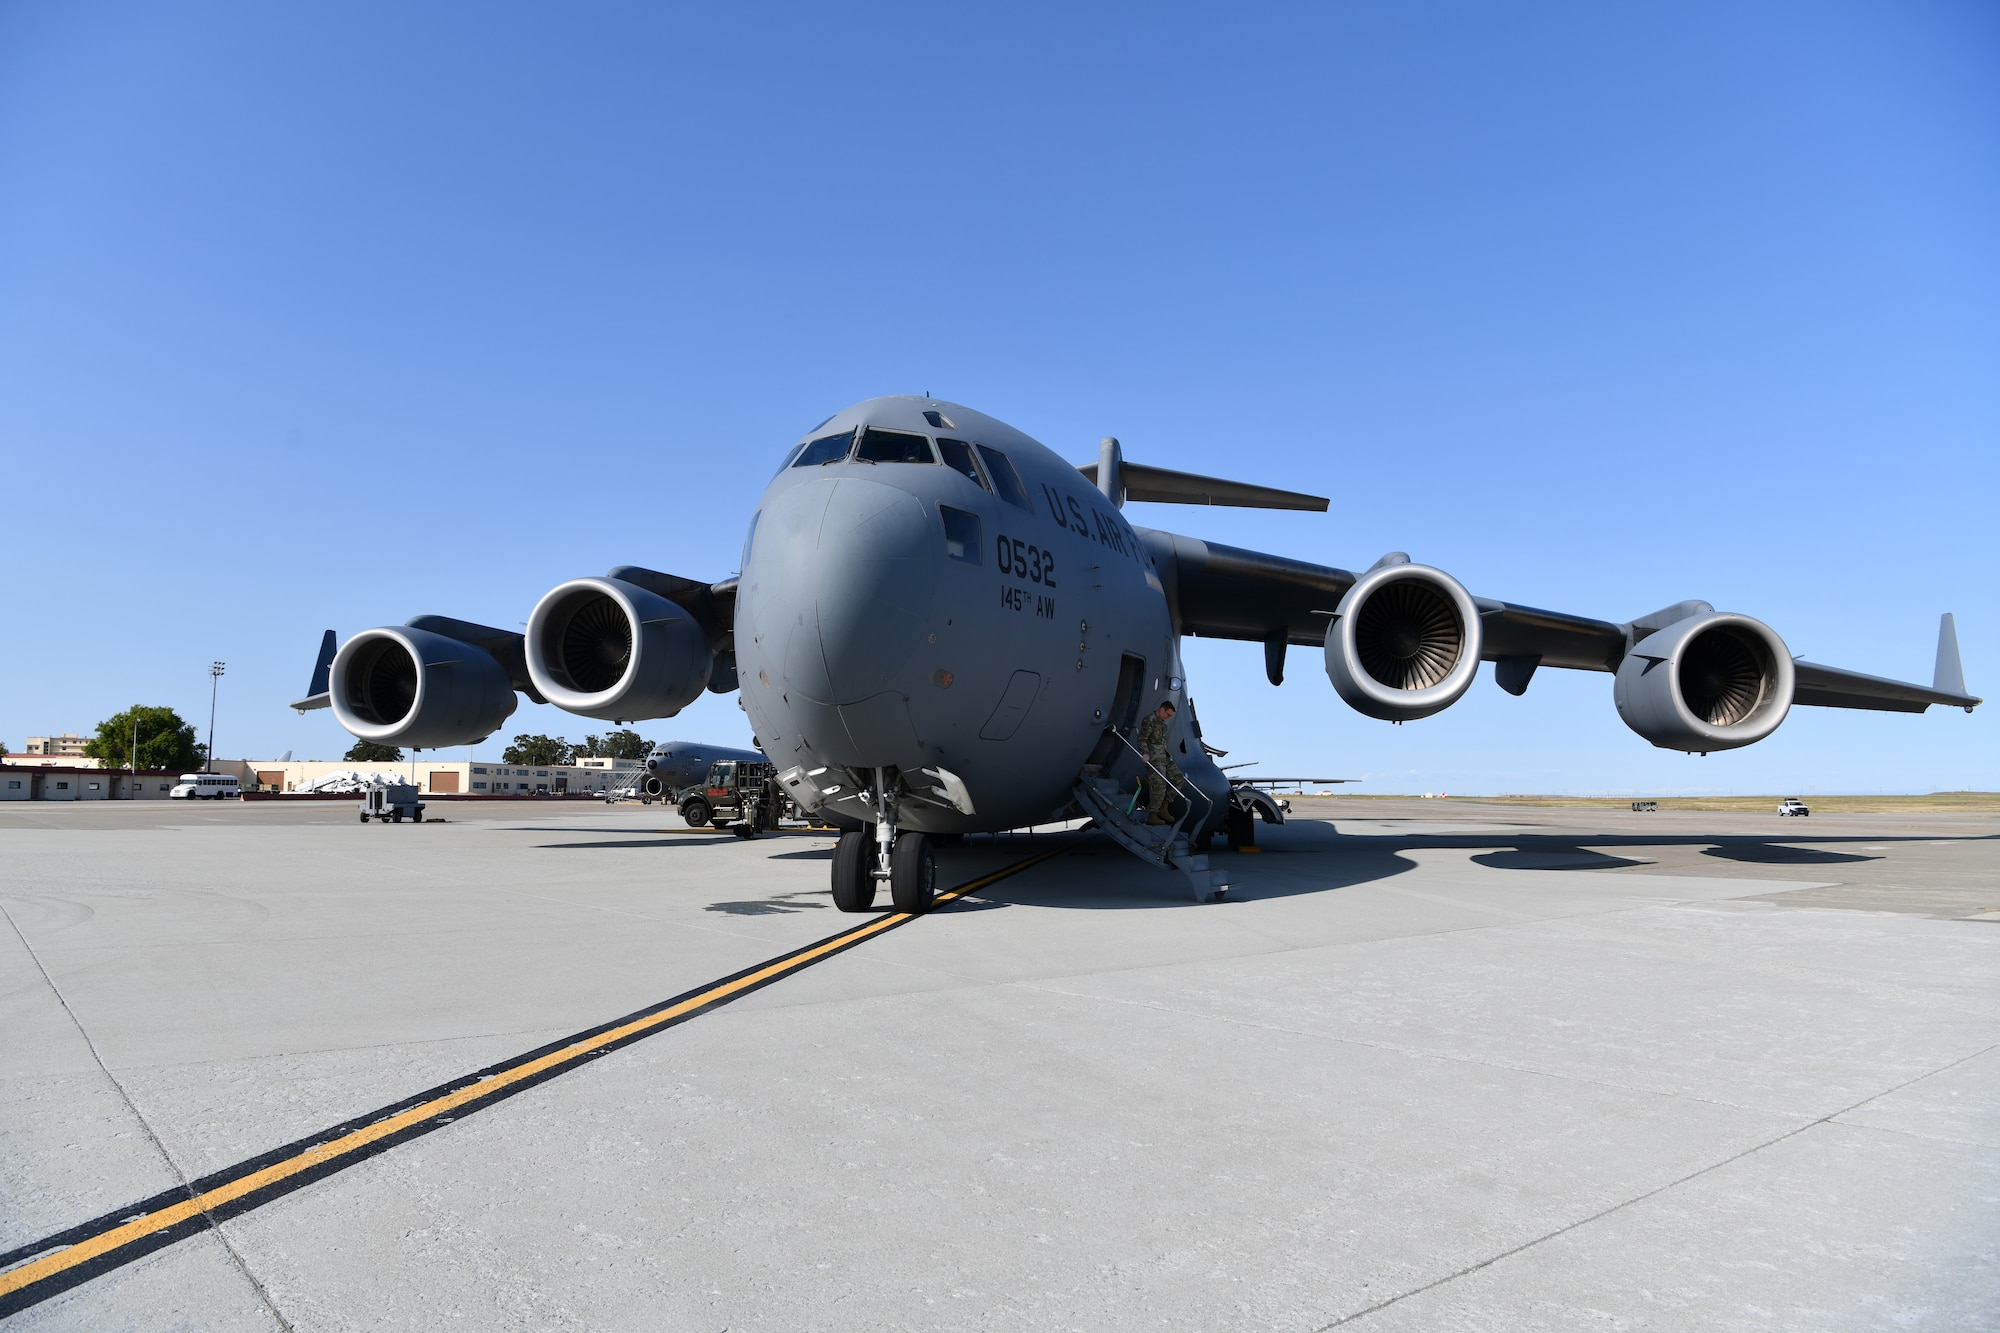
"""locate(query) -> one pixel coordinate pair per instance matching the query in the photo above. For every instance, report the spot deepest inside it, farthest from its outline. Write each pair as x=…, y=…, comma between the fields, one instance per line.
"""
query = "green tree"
x=165, y=741
x=542, y=750
x=373, y=752
x=624, y=744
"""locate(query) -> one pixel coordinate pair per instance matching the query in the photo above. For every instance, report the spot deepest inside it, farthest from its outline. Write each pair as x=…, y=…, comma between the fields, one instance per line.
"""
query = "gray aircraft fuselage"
x=679, y=764
x=914, y=614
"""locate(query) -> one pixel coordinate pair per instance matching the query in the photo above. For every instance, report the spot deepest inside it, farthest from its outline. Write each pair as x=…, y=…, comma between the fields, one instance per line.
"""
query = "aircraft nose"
x=844, y=568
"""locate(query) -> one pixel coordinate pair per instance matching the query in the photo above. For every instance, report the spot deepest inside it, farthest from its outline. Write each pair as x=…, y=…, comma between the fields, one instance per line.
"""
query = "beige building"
x=463, y=777
x=49, y=782
x=69, y=743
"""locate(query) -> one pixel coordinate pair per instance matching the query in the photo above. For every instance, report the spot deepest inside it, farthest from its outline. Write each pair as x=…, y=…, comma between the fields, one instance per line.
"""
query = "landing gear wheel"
x=853, y=858
x=745, y=831
x=912, y=873
x=695, y=811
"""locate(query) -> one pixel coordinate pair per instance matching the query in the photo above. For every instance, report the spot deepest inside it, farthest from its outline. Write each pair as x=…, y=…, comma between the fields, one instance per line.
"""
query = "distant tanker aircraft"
x=940, y=627
x=674, y=765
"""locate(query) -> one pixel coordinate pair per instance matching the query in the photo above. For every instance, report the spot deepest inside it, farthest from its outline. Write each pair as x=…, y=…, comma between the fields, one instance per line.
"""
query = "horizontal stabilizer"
x=312, y=701
x=1165, y=486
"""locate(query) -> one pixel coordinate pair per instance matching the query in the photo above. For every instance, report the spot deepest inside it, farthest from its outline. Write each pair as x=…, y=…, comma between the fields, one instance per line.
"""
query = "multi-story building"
x=69, y=743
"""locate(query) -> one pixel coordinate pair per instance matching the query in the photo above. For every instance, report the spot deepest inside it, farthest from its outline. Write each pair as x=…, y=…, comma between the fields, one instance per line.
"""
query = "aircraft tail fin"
x=1136, y=481
x=1950, y=674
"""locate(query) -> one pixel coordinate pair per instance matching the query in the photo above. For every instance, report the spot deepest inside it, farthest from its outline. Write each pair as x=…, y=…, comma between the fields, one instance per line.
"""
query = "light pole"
x=132, y=787
x=214, y=681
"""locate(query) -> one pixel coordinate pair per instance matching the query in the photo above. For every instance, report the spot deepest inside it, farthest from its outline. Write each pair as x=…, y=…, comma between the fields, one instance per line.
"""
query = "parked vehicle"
x=391, y=804
x=1792, y=805
x=1645, y=807
x=617, y=794
x=740, y=796
x=204, y=787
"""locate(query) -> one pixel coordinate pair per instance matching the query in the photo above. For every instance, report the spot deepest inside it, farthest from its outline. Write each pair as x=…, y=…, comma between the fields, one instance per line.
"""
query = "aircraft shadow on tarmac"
x=1306, y=857
x=627, y=844
x=1313, y=857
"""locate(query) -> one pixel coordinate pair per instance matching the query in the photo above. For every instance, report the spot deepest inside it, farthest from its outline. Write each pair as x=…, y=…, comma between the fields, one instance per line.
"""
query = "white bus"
x=204, y=787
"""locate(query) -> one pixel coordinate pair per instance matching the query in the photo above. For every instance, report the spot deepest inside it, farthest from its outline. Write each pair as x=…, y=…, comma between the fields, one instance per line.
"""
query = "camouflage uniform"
x=1153, y=744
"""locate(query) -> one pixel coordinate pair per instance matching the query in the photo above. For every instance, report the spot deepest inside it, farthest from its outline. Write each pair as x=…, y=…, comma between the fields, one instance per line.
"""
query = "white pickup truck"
x=1792, y=805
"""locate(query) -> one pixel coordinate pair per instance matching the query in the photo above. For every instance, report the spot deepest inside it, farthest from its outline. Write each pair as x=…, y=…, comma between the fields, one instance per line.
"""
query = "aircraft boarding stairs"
x=1121, y=815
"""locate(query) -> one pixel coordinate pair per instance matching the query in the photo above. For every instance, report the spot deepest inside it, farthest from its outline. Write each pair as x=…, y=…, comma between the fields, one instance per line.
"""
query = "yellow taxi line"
x=219, y=1196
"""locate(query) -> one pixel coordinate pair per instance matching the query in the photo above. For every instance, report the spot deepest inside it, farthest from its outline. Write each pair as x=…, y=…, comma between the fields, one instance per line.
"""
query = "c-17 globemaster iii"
x=940, y=627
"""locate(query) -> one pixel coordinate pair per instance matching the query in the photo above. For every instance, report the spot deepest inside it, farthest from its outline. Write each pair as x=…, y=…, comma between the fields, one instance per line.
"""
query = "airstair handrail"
x=1184, y=792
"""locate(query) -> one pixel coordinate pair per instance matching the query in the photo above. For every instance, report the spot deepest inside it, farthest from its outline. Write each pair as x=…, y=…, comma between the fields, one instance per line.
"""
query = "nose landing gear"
x=913, y=873
x=904, y=860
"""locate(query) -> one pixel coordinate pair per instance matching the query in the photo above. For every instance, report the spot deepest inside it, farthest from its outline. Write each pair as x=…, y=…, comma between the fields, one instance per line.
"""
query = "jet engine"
x=609, y=649
x=1709, y=682
x=404, y=686
x=1404, y=642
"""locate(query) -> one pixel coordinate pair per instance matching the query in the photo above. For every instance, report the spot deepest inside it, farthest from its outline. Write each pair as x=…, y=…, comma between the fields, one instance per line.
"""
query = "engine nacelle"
x=402, y=686
x=1709, y=682
x=611, y=650
x=1404, y=643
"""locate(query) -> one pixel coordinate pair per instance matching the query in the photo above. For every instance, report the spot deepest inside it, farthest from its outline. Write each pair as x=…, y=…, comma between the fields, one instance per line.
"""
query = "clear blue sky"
x=327, y=316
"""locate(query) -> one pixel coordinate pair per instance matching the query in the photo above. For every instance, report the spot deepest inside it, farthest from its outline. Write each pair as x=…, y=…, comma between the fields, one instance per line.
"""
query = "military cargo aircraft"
x=672, y=766
x=941, y=627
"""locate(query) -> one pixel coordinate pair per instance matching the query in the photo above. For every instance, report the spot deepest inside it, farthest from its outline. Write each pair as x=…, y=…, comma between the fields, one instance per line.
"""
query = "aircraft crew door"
x=1124, y=716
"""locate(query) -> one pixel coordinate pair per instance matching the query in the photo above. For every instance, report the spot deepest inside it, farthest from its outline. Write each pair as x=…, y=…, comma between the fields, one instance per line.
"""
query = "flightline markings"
x=32, y=1273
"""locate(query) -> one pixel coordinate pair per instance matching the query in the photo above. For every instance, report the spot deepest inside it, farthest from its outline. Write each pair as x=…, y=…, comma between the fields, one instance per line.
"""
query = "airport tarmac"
x=1437, y=1065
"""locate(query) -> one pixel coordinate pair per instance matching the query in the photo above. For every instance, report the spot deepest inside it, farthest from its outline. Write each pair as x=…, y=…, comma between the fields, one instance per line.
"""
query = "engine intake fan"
x=404, y=686
x=611, y=650
x=1404, y=642
x=1715, y=681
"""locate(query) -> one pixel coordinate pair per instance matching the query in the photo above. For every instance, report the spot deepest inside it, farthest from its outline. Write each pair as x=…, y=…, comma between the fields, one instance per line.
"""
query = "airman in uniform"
x=1153, y=744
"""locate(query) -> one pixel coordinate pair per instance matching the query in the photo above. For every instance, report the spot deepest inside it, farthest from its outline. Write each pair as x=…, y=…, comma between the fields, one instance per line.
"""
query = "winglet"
x=1950, y=675
x=324, y=666
x=316, y=693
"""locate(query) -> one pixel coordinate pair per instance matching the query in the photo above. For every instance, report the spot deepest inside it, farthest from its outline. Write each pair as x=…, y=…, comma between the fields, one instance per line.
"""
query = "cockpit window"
x=1005, y=479
x=893, y=446
x=958, y=457
x=826, y=449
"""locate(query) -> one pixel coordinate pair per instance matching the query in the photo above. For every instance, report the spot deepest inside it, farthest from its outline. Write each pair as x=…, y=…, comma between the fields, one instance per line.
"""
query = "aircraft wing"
x=1831, y=687
x=1226, y=592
